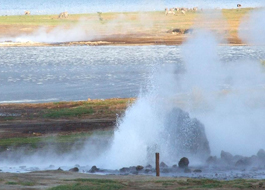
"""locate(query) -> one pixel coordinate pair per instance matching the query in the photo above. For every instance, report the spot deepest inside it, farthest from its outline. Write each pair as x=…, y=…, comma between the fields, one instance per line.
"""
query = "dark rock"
x=185, y=136
x=124, y=170
x=148, y=166
x=211, y=160
x=178, y=30
x=238, y=157
x=147, y=171
x=134, y=172
x=226, y=156
x=254, y=161
x=187, y=170
x=175, y=166
x=94, y=169
x=163, y=165
x=197, y=171
x=165, y=170
x=132, y=169
x=184, y=162
x=241, y=163
x=59, y=169
x=139, y=168
x=75, y=169
x=261, y=154
x=188, y=31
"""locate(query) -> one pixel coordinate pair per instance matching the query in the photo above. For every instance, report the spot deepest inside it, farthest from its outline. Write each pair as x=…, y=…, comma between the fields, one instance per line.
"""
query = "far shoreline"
x=146, y=42
x=117, y=28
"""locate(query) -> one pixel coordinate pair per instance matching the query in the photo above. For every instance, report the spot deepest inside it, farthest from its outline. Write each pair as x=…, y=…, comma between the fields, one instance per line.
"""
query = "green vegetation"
x=56, y=110
x=85, y=108
x=12, y=183
x=91, y=184
x=24, y=183
x=68, y=112
x=63, y=142
x=98, y=184
x=135, y=19
x=27, y=183
x=43, y=20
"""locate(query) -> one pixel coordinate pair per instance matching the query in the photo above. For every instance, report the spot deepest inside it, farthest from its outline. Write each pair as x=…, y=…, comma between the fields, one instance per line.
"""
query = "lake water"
x=42, y=74
x=12, y=7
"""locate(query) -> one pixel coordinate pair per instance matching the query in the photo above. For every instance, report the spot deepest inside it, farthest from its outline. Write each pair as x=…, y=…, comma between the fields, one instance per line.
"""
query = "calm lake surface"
x=43, y=74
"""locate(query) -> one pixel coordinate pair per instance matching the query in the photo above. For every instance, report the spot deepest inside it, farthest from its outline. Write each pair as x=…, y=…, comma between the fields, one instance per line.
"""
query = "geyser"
x=225, y=97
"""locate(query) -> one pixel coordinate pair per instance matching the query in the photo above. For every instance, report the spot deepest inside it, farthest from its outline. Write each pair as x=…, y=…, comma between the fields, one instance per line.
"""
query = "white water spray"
x=226, y=97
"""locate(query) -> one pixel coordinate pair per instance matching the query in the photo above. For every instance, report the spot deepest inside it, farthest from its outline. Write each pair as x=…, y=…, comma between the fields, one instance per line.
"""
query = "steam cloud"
x=86, y=29
x=252, y=28
x=227, y=97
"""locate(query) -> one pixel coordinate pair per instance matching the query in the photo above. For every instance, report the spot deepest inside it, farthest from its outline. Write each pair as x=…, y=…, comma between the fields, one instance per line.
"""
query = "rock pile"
x=185, y=136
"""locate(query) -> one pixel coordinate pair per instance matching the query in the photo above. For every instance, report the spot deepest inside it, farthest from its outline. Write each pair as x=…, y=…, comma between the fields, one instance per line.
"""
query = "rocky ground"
x=22, y=122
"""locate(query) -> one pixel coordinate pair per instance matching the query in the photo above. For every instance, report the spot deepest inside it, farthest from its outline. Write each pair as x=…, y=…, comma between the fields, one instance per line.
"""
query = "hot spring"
x=221, y=92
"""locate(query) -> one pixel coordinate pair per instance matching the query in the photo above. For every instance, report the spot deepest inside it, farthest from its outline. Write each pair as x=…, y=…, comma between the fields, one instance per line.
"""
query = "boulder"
x=132, y=169
x=227, y=157
x=211, y=160
x=187, y=170
x=125, y=170
x=184, y=162
x=94, y=169
x=139, y=168
x=241, y=163
x=148, y=166
x=255, y=161
x=75, y=169
x=147, y=171
x=261, y=154
x=185, y=136
x=165, y=170
x=163, y=165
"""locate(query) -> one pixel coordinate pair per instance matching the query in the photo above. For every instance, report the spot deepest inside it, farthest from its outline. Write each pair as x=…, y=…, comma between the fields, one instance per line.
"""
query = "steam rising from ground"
x=227, y=97
x=252, y=28
x=87, y=29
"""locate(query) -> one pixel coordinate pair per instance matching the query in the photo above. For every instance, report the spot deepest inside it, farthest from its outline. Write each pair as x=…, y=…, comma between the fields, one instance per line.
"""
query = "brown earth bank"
x=125, y=39
x=27, y=120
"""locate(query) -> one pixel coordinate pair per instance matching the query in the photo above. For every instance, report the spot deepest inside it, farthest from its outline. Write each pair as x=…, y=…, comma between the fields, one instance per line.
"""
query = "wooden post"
x=157, y=165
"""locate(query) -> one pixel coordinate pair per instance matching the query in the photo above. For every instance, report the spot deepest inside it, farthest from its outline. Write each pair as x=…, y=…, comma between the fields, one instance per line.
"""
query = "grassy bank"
x=153, y=23
x=58, y=124
x=60, y=143
x=177, y=184
x=95, y=109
